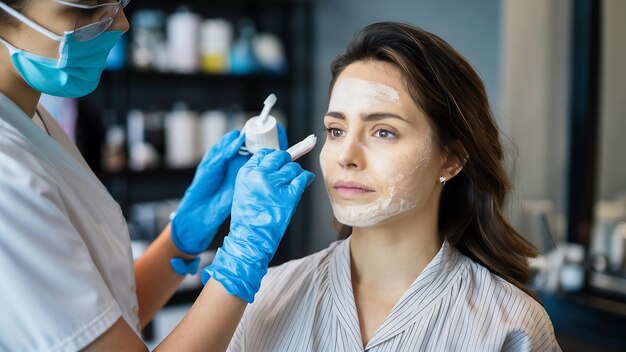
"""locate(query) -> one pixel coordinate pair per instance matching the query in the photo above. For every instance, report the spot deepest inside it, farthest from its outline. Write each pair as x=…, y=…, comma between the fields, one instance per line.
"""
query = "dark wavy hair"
x=446, y=87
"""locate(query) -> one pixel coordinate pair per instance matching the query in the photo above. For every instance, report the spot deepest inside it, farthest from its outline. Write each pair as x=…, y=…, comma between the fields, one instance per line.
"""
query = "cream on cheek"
x=406, y=177
x=403, y=185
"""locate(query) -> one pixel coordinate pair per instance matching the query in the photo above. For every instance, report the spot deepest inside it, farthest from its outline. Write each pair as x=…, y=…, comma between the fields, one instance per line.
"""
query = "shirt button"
x=133, y=288
x=138, y=327
x=135, y=310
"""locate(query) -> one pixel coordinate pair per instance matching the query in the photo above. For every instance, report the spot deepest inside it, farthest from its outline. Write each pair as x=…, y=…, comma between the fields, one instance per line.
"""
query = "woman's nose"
x=351, y=154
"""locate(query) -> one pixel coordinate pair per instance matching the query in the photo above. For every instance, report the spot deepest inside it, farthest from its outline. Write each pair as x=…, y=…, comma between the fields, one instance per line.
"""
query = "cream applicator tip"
x=304, y=146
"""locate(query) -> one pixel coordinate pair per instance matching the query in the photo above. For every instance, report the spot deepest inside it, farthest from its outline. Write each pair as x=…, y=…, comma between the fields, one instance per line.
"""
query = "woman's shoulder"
x=504, y=299
x=494, y=311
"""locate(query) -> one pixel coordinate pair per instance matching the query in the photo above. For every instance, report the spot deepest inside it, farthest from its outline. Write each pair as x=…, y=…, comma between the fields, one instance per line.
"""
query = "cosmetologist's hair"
x=446, y=87
x=5, y=18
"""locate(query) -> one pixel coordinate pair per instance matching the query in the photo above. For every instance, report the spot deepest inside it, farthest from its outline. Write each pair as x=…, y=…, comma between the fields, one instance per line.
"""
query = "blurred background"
x=188, y=71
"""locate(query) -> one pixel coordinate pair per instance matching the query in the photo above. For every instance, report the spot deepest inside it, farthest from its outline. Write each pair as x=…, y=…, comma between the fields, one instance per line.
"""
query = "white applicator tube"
x=268, y=104
x=299, y=149
x=261, y=131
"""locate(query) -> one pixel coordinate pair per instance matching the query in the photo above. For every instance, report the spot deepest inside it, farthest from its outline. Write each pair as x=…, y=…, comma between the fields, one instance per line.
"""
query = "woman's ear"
x=453, y=163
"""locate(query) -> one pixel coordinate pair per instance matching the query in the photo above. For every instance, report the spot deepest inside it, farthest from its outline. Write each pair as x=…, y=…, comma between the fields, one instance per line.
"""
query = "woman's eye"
x=384, y=134
x=334, y=132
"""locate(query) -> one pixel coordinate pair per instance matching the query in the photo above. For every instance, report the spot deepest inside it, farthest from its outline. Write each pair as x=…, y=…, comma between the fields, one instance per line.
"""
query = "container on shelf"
x=216, y=37
x=148, y=45
x=182, y=41
x=180, y=137
x=214, y=124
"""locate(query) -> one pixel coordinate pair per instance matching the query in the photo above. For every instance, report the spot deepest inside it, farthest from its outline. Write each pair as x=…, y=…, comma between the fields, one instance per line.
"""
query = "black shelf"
x=131, y=187
x=207, y=78
x=148, y=173
x=167, y=4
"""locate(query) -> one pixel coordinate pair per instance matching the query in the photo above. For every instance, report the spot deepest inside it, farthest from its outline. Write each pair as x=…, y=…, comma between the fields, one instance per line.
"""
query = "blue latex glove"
x=267, y=191
x=208, y=200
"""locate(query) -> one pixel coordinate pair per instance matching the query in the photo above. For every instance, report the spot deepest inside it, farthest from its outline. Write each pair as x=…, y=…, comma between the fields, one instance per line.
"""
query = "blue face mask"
x=75, y=73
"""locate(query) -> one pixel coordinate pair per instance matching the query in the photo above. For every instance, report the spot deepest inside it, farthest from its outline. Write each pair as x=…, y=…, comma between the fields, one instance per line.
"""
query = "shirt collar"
x=427, y=289
x=57, y=144
x=340, y=278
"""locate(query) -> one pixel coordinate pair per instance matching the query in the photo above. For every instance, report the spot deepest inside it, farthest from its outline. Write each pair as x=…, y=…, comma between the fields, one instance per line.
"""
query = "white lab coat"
x=65, y=259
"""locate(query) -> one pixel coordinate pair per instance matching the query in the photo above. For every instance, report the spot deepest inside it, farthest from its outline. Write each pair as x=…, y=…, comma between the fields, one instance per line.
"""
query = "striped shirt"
x=455, y=304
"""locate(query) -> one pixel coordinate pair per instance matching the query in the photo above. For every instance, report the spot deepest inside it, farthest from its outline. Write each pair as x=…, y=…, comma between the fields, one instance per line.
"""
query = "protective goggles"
x=94, y=19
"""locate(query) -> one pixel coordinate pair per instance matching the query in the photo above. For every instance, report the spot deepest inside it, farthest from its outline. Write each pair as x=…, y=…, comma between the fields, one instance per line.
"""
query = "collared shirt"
x=65, y=257
x=455, y=304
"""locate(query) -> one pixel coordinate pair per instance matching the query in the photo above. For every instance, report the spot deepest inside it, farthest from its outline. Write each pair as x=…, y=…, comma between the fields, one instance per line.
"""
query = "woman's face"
x=55, y=17
x=379, y=159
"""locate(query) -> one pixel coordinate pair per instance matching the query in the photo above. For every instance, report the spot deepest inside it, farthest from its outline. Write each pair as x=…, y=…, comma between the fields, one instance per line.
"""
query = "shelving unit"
x=123, y=90
x=588, y=317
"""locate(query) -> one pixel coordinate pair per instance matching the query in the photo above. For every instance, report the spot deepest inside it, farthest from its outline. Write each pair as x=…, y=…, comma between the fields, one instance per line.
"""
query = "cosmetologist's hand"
x=267, y=191
x=206, y=203
x=208, y=200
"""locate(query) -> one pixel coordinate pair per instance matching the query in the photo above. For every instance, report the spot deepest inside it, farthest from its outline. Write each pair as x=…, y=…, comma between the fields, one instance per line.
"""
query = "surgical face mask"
x=75, y=73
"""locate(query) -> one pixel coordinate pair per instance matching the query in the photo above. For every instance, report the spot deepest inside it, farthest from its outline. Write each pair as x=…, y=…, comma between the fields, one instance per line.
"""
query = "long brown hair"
x=445, y=86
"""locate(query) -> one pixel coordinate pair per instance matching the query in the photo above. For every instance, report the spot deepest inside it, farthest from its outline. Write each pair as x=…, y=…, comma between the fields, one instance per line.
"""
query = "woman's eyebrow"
x=335, y=114
x=377, y=116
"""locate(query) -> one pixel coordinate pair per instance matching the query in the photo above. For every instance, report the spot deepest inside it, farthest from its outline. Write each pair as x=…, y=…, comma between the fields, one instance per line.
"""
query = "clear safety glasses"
x=94, y=19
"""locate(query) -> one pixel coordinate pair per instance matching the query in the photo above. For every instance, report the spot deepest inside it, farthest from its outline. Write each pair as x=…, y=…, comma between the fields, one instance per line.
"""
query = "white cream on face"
x=353, y=94
x=398, y=175
x=401, y=176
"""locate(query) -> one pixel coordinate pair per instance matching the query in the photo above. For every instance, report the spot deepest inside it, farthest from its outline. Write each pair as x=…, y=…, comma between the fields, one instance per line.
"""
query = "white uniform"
x=65, y=258
x=454, y=305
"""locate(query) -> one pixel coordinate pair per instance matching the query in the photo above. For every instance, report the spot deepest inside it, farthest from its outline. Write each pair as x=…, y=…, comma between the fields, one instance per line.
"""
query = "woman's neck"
x=394, y=254
x=385, y=261
x=14, y=87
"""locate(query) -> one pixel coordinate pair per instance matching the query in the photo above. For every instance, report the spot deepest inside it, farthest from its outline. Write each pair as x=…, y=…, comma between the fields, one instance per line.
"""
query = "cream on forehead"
x=359, y=93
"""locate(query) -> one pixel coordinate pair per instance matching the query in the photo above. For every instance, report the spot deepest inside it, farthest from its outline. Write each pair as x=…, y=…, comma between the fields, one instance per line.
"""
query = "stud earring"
x=442, y=180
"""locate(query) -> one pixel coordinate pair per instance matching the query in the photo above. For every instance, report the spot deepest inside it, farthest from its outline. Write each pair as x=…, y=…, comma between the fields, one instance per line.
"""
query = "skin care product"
x=261, y=131
x=180, y=137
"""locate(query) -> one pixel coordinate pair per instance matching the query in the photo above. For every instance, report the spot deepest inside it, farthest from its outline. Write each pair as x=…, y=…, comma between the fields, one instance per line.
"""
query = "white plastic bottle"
x=183, y=28
x=262, y=131
x=214, y=124
x=180, y=137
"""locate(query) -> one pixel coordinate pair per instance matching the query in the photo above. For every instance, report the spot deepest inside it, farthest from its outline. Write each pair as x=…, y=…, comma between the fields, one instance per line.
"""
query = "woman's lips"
x=347, y=188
